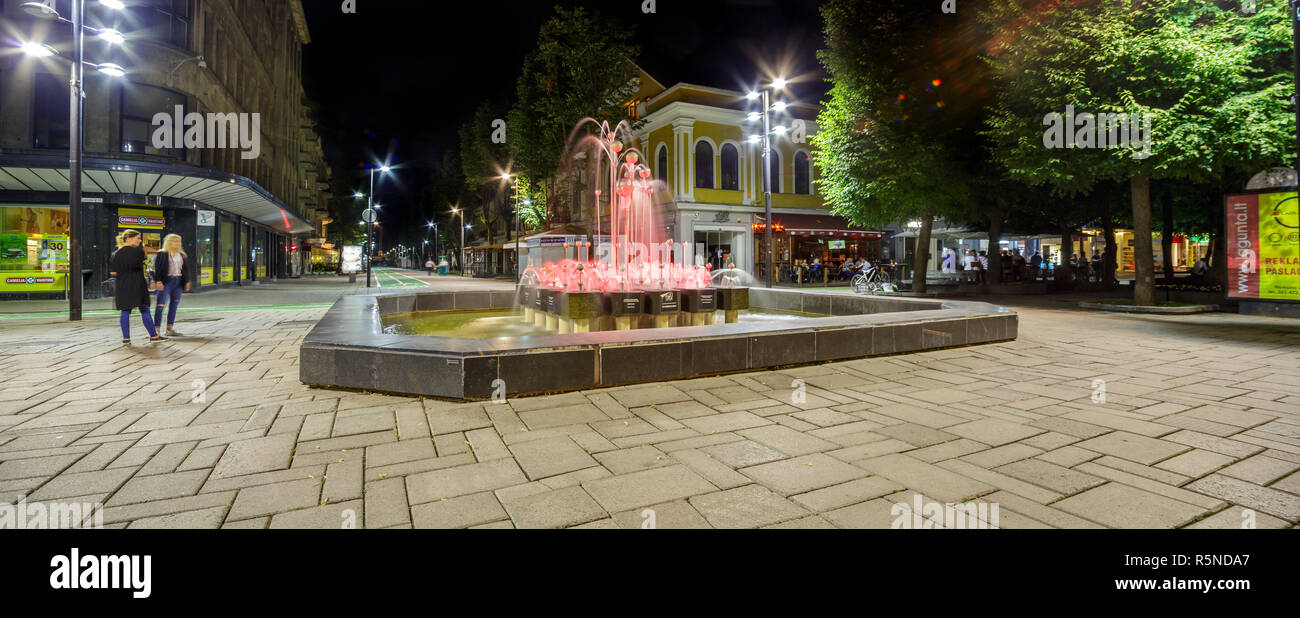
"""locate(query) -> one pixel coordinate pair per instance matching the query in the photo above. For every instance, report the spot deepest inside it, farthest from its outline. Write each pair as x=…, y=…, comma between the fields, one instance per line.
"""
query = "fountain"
x=622, y=305
x=632, y=278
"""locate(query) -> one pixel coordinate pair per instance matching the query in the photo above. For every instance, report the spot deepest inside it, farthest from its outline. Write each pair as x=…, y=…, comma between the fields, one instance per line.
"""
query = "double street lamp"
x=514, y=180
x=763, y=95
x=46, y=10
x=456, y=210
x=370, y=218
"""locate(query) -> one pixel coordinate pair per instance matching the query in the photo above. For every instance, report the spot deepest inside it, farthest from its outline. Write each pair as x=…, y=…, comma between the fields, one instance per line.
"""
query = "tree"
x=481, y=164
x=1193, y=70
x=582, y=67
x=891, y=146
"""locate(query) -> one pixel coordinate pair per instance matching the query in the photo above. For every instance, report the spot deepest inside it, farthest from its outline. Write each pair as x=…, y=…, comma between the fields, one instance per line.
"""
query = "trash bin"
x=442, y=267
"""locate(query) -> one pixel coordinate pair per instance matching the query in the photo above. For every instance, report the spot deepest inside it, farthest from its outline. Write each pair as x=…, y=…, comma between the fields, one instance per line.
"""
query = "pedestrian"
x=171, y=275
x=428, y=265
x=128, y=264
x=1096, y=266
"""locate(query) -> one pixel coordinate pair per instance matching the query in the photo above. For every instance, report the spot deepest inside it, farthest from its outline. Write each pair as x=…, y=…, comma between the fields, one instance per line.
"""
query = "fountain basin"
x=349, y=349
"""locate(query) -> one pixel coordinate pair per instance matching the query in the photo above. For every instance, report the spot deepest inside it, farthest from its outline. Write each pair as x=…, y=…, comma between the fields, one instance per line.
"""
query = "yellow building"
x=696, y=139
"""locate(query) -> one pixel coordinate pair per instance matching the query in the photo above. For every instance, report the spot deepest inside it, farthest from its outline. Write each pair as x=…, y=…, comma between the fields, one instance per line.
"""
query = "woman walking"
x=127, y=264
x=171, y=274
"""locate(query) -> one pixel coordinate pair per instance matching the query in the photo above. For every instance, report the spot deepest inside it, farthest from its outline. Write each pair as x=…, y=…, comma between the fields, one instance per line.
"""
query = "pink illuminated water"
x=636, y=257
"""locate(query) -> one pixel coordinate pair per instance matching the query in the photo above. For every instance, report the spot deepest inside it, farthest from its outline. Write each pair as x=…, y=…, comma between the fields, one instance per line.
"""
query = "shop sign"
x=207, y=218
x=137, y=218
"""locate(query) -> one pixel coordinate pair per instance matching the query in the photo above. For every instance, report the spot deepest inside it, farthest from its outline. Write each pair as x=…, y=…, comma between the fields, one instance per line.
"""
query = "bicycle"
x=873, y=281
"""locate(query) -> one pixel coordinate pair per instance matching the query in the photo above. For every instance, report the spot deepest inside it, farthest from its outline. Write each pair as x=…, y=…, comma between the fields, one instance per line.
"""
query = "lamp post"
x=374, y=216
x=461, y=250
x=76, y=113
x=765, y=94
x=514, y=180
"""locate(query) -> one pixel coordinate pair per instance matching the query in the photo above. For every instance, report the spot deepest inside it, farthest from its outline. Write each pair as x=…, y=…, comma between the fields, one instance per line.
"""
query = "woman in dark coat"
x=127, y=264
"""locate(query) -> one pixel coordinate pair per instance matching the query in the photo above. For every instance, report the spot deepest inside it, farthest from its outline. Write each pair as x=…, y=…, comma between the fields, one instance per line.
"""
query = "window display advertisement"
x=33, y=249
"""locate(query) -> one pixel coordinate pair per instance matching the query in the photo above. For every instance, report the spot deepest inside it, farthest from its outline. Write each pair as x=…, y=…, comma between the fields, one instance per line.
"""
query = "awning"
x=211, y=188
x=820, y=225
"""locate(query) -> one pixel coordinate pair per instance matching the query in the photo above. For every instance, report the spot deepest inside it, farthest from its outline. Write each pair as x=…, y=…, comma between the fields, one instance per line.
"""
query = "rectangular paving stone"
x=386, y=503
x=324, y=517
x=461, y=480
x=343, y=482
x=725, y=422
x=914, y=434
x=1004, y=482
x=638, y=489
x=459, y=512
x=907, y=413
x=751, y=506
x=1001, y=455
x=803, y=474
x=1068, y=456
x=1195, y=463
x=159, y=487
x=1260, y=469
x=257, y=455
x=993, y=431
x=1237, y=518
x=947, y=450
x=551, y=456
x=1265, y=499
x=844, y=494
x=627, y=460
x=787, y=440
x=1234, y=448
x=1064, y=481
x=559, y=508
x=354, y=424
x=81, y=484
x=35, y=466
x=202, y=519
x=711, y=469
x=878, y=514
x=677, y=515
x=277, y=498
x=1120, y=506
x=486, y=444
x=743, y=453
x=173, y=506
x=926, y=478
x=1142, y=449
x=564, y=415
x=1047, y=514
x=399, y=452
x=1153, y=486
x=1070, y=427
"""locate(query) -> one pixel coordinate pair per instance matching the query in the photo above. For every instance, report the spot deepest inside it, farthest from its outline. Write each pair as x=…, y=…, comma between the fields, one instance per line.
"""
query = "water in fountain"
x=634, y=256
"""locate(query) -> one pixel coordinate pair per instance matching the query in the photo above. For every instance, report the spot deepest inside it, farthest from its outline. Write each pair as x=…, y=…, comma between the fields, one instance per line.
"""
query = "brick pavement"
x=1200, y=422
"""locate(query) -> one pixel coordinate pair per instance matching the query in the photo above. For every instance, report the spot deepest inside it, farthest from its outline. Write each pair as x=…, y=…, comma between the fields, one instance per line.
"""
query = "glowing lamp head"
x=37, y=50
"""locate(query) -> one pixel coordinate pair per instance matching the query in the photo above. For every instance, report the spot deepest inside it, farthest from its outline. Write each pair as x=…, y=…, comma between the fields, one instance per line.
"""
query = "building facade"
x=696, y=140
x=241, y=182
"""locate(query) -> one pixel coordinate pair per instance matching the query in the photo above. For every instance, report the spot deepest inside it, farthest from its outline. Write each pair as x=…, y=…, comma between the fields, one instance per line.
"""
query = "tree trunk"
x=996, y=215
x=921, y=260
x=1218, y=253
x=1167, y=237
x=1144, y=288
x=1112, y=250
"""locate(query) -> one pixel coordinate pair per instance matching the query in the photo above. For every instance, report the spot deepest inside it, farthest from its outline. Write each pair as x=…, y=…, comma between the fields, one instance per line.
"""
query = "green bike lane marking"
x=114, y=313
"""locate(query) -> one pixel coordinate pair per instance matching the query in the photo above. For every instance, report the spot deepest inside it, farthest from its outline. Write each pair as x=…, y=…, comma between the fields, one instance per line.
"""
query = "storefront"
x=800, y=240
x=33, y=250
x=228, y=225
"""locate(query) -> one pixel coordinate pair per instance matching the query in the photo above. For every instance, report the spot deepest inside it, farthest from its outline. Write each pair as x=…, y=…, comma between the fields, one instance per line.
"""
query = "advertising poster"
x=1263, y=234
x=13, y=249
x=227, y=275
x=205, y=276
x=351, y=259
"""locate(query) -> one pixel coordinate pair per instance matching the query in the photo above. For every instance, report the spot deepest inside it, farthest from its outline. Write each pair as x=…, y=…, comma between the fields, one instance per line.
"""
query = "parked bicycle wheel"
x=860, y=284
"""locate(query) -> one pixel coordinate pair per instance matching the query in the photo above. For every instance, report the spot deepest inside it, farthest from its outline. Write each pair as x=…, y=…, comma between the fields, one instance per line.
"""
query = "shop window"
x=703, y=165
x=227, y=242
x=164, y=21
x=730, y=167
x=207, y=264
x=802, y=174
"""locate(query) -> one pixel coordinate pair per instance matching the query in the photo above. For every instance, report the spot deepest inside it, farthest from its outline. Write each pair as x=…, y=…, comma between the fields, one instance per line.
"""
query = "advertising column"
x=1263, y=240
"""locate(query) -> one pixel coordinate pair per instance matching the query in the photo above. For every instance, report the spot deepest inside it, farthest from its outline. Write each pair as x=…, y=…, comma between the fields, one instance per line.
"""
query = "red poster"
x=1243, y=246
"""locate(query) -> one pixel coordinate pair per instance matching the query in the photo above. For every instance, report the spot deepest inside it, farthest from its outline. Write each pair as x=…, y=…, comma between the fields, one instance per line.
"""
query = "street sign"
x=368, y=216
x=207, y=218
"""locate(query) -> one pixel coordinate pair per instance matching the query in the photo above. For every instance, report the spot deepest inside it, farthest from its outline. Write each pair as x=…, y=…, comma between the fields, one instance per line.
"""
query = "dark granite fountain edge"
x=348, y=349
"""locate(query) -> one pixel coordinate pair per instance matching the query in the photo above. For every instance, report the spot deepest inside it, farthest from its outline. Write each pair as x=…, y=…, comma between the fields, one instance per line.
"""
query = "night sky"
x=398, y=77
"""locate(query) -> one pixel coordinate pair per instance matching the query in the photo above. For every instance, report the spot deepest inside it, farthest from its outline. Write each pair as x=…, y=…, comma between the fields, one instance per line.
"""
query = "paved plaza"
x=1087, y=420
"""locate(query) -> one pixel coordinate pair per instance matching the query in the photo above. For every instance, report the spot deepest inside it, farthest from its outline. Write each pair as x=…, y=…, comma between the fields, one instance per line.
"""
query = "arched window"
x=703, y=165
x=775, y=171
x=661, y=164
x=802, y=174
x=730, y=167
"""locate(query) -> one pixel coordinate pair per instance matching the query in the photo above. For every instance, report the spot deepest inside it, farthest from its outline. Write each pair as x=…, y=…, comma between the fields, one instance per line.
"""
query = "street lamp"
x=457, y=211
x=765, y=94
x=514, y=179
x=374, y=216
x=432, y=225
x=76, y=113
